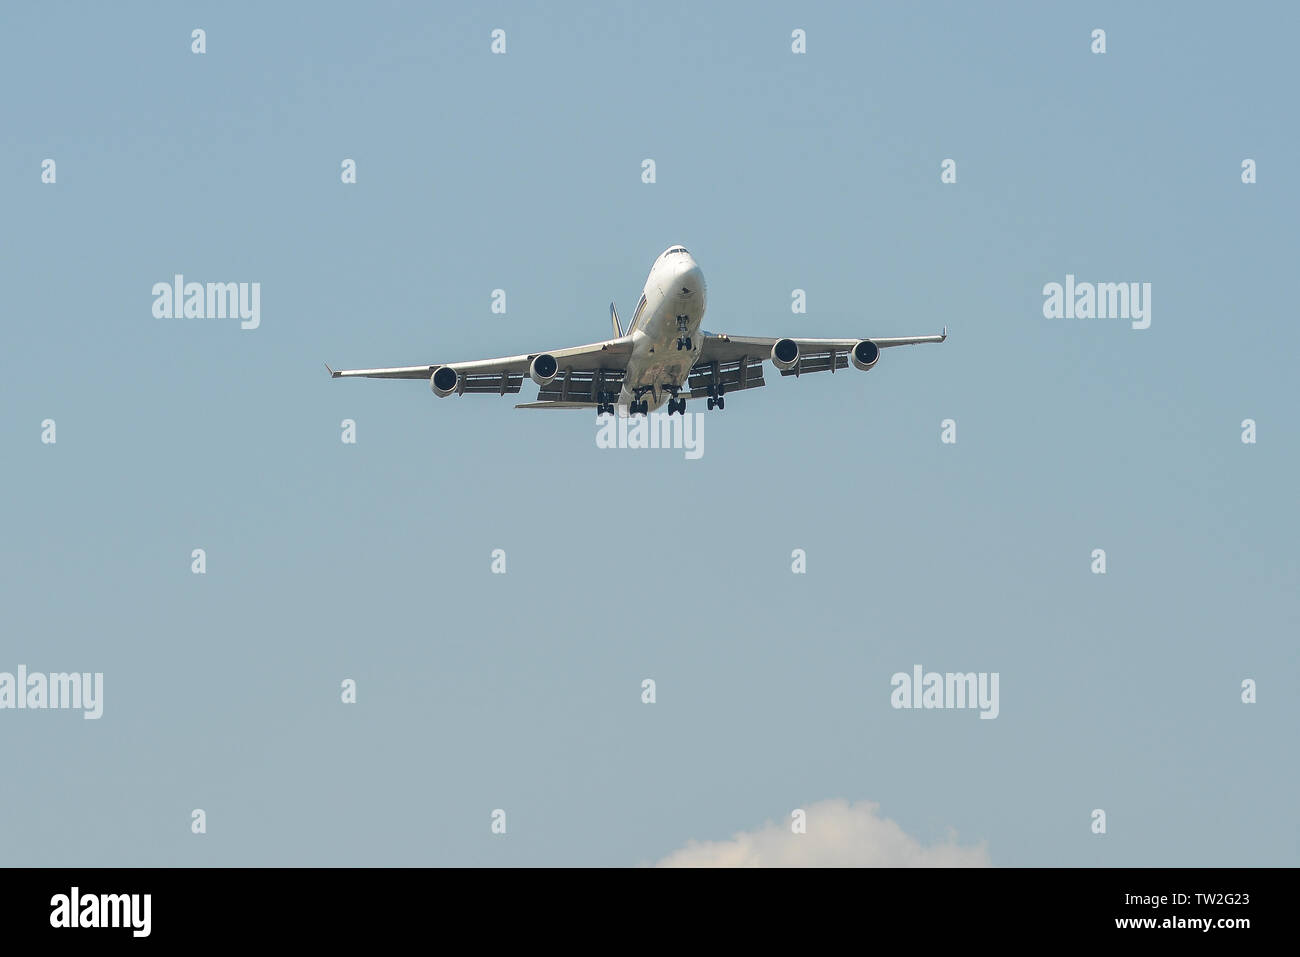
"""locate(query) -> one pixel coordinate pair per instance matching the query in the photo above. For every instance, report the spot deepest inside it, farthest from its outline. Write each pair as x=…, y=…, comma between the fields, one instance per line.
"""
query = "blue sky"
x=523, y=172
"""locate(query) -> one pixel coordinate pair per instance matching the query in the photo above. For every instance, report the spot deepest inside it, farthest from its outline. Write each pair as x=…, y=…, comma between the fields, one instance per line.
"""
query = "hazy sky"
x=779, y=171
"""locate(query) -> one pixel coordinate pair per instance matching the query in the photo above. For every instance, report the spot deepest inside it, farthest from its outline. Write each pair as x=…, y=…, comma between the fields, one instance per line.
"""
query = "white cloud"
x=840, y=834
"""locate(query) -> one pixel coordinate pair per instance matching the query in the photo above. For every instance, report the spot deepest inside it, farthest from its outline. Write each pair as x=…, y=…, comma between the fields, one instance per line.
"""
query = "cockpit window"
x=676, y=249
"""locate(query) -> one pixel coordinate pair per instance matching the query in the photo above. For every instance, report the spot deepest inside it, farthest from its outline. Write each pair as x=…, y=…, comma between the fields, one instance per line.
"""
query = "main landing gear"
x=677, y=403
x=638, y=405
x=716, y=392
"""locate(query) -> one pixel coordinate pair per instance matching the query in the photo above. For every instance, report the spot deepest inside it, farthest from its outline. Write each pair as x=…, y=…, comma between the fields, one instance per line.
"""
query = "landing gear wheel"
x=722, y=403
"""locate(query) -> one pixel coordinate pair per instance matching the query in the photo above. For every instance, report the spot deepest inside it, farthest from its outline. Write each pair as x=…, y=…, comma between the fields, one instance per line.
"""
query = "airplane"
x=662, y=357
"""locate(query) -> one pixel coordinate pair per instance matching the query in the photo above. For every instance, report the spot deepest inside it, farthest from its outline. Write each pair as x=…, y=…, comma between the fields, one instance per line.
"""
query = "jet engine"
x=865, y=354
x=785, y=353
x=444, y=381
x=543, y=368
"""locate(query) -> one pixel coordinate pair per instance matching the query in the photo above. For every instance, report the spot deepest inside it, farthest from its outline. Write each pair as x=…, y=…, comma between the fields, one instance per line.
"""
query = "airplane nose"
x=690, y=280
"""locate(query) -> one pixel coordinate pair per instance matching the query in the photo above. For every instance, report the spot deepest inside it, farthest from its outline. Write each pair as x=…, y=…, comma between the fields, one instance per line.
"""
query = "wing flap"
x=734, y=375
x=819, y=362
x=581, y=385
x=503, y=384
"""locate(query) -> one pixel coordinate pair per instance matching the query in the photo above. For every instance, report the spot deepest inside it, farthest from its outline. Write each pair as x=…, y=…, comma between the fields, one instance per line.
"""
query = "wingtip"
x=944, y=335
x=333, y=374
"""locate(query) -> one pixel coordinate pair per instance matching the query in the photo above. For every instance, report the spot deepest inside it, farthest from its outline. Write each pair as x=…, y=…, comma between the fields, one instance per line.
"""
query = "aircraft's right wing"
x=582, y=372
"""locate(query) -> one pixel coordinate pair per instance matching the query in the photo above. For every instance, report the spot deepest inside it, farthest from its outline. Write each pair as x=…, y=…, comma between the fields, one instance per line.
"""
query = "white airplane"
x=663, y=356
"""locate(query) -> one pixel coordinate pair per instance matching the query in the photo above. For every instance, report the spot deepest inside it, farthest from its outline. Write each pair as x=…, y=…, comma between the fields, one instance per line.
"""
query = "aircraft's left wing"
x=581, y=370
x=736, y=362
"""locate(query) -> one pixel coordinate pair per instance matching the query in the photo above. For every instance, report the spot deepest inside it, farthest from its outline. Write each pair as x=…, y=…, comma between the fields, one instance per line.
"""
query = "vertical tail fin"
x=613, y=317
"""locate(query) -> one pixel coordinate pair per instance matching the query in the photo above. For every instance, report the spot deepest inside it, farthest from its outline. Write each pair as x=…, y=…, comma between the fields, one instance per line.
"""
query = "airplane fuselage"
x=665, y=331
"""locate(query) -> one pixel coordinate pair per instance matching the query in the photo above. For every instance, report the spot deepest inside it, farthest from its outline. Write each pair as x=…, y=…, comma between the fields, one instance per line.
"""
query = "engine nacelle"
x=785, y=353
x=543, y=368
x=444, y=381
x=865, y=355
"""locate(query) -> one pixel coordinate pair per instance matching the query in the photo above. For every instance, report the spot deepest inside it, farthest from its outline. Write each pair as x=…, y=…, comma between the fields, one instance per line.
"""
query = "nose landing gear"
x=683, y=340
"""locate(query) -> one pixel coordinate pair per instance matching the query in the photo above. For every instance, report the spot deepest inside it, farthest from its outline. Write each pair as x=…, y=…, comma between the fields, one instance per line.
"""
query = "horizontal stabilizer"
x=556, y=405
